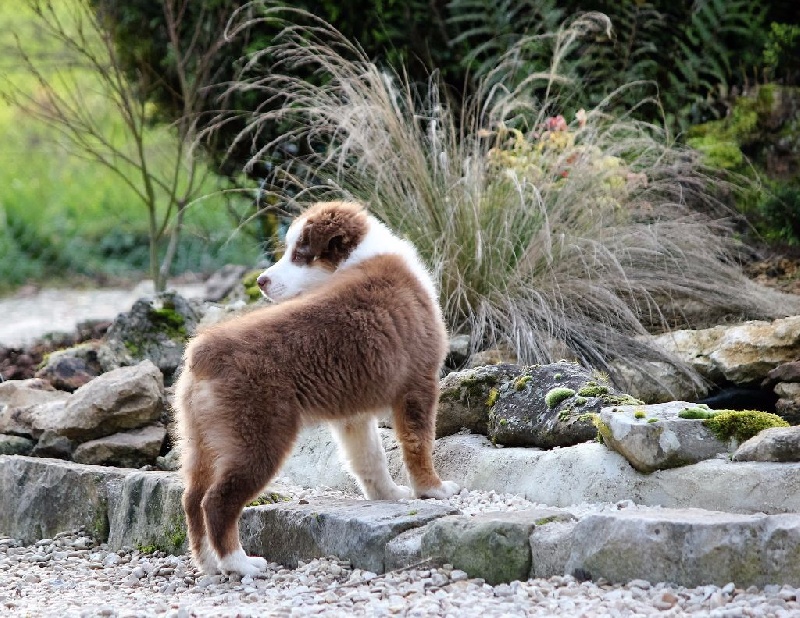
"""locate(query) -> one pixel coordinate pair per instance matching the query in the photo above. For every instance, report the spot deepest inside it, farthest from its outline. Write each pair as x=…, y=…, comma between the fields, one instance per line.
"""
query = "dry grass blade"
x=542, y=233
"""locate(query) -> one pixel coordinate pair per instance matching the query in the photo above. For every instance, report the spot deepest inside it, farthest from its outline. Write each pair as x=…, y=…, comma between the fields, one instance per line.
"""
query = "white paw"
x=445, y=490
x=402, y=492
x=241, y=563
x=206, y=560
x=389, y=492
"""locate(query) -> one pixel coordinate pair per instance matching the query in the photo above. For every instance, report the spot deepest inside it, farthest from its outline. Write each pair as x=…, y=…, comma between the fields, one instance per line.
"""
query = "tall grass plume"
x=555, y=231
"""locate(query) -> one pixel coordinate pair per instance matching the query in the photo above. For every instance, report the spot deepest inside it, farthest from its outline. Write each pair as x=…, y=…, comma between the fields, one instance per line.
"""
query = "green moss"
x=146, y=549
x=652, y=420
x=621, y=400
x=580, y=401
x=545, y=520
x=169, y=321
x=564, y=415
x=521, y=382
x=720, y=153
x=556, y=395
x=492, y=398
x=593, y=389
x=503, y=422
x=133, y=348
x=742, y=425
x=557, y=376
x=270, y=498
x=697, y=412
x=639, y=414
x=414, y=512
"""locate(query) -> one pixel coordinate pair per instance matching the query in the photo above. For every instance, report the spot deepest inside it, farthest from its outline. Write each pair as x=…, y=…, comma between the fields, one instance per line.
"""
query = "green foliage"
x=781, y=52
x=710, y=45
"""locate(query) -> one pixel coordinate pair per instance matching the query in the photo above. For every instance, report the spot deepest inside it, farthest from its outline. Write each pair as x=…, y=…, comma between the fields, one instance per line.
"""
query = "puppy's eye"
x=302, y=255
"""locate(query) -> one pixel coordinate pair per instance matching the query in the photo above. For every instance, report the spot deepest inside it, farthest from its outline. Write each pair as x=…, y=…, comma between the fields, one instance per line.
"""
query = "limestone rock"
x=546, y=406
x=355, y=530
x=42, y=497
x=458, y=351
x=145, y=511
x=14, y=445
x=129, y=449
x=23, y=401
x=126, y=398
x=788, y=404
x=70, y=369
x=773, y=444
x=155, y=329
x=551, y=545
x=51, y=444
x=742, y=354
x=500, y=355
x=463, y=398
x=659, y=382
x=493, y=546
x=688, y=547
x=668, y=442
x=169, y=462
x=787, y=372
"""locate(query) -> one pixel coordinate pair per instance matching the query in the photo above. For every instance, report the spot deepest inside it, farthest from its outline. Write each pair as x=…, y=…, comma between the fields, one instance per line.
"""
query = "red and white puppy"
x=357, y=333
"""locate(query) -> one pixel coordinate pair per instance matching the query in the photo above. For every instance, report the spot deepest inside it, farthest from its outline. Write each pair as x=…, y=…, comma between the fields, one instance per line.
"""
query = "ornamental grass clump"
x=545, y=225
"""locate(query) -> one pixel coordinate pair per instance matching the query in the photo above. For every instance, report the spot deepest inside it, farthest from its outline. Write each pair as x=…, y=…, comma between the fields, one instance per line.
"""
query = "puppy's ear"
x=330, y=235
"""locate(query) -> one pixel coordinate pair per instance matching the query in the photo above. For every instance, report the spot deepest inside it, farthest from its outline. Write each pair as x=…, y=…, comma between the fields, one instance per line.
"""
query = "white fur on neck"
x=379, y=240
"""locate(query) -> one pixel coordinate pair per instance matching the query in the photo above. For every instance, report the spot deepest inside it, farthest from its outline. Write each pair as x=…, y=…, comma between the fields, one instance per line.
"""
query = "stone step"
x=687, y=546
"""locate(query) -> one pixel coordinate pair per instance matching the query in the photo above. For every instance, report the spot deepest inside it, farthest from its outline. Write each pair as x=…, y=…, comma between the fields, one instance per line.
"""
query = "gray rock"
x=224, y=281
x=464, y=395
x=15, y=445
x=51, y=444
x=170, y=462
x=688, y=547
x=70, y=369
x=773, y=444
x=659, y=382
x=126, y=398
x=145, y=511
x=668, y=442
x=21, y=401
x=155, y=329
x=551, y=545
x=129, y=449
x=405, y=550
x=788, y=404
x=458, y=351
x=355, y=530
x=546, y=406
x=42, y=497
x=493, y=546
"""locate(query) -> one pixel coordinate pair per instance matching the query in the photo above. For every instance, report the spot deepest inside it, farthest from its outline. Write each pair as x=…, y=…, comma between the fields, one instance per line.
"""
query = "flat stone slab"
x=355, y=530
x=689, y=547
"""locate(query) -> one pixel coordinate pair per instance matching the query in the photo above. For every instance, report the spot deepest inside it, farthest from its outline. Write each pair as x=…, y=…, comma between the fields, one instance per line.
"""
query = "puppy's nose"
x=262, y=281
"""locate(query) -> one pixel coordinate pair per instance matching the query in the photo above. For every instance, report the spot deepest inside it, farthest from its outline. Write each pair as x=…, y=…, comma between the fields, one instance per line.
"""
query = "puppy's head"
x=317, y=243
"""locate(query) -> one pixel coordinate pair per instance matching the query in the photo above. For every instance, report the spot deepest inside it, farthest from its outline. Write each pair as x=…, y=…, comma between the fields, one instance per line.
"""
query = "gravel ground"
x=70, y=576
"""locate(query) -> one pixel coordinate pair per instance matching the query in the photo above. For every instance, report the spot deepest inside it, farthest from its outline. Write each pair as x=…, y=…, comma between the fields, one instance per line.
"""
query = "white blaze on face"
x=288, y=278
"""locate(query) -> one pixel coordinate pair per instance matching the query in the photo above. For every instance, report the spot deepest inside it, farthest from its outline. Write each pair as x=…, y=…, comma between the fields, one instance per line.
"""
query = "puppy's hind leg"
x=197, y=479
x=415, y=426
x=248, y=462
x=362, y=452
